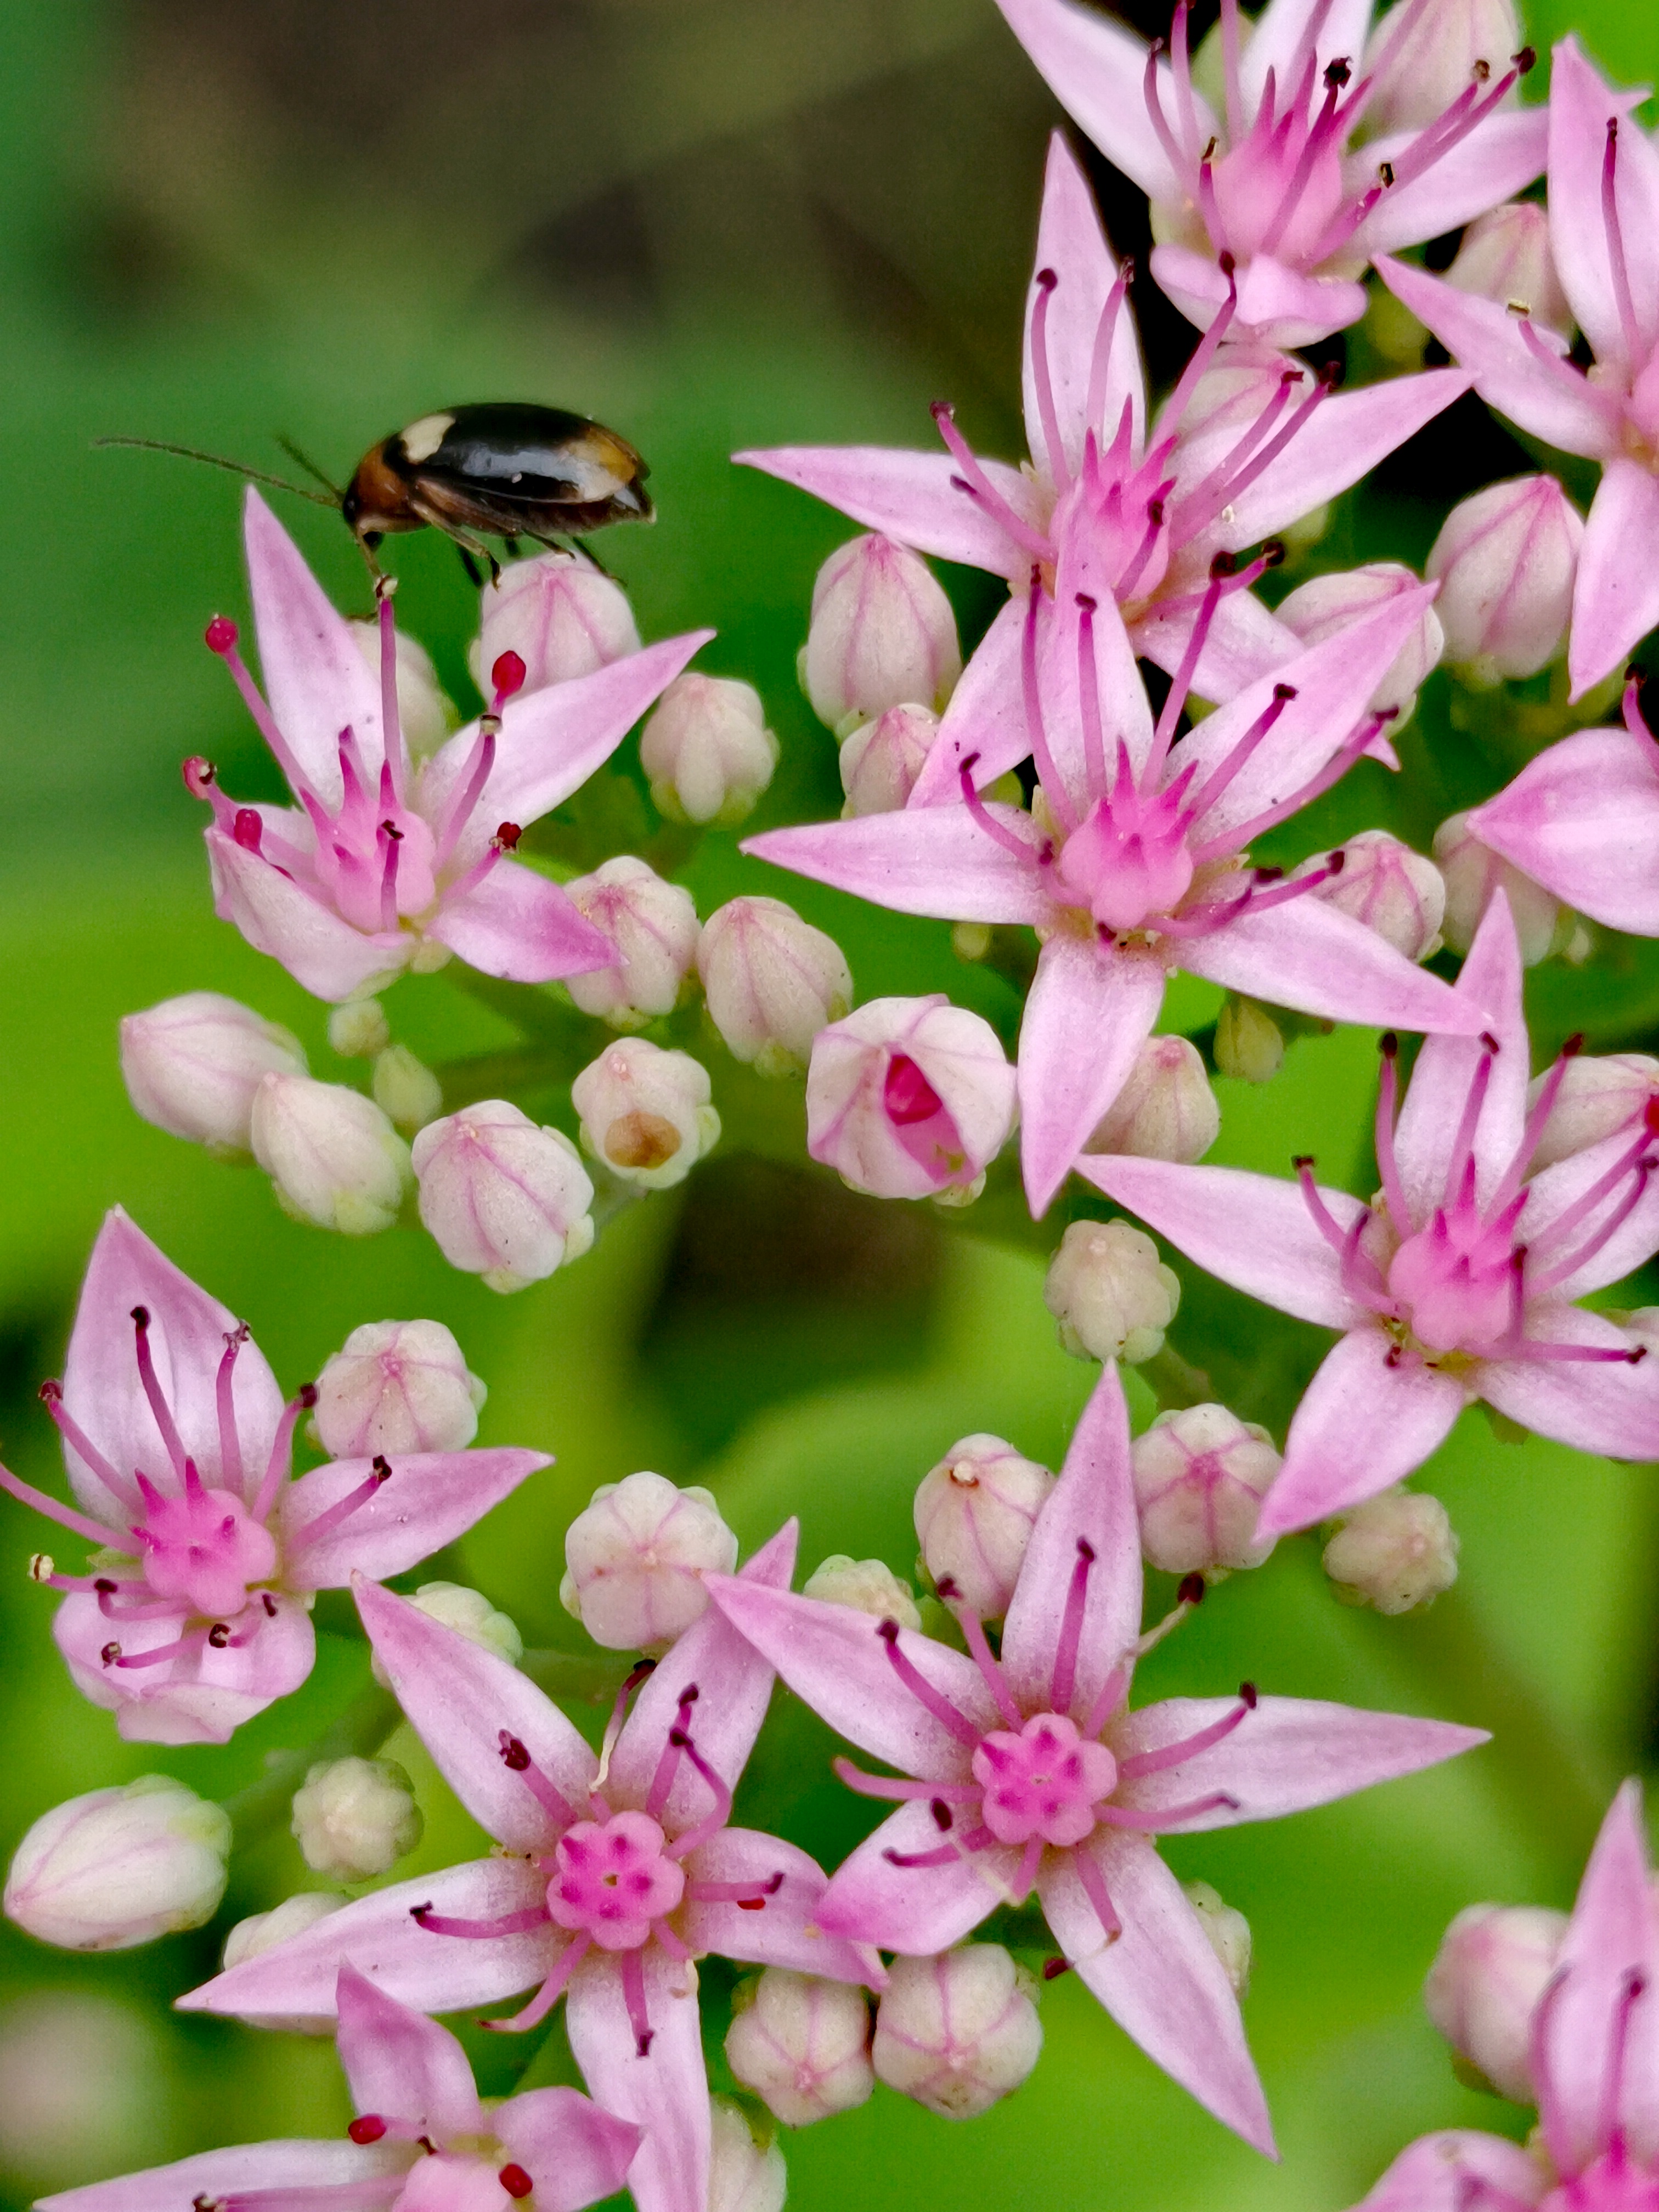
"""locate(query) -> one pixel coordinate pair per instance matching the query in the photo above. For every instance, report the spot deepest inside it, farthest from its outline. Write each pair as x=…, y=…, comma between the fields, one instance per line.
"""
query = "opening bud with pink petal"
x=263, y=1931
x=882, y=633
x=1110, y=1292
x=1494, y=1963
x=120, y=1867
x=745, y=2174
x=880, y=761
x=1167, y=1110
x=975, y=1512
x=1227, y=1931
x=562, y=616
x=470, y=1614
x=1422, y=56
x=636, y=1559
x=333, y=1156
x=396, y=1387
x=867, y=1585
x=645, y=1112
x=772, y=981
x=1507, y=562
x=1384, y=884
x=1394, y=1553
x=1505, y=257
x=503, y=1197
x=653, y=927
x=1472, y=872
x=1200, y=1475
x=958, y=2032
x=1326, y=606
x=425, y=710
x=801, y=2044
x=1595, y=1098
x=192, y=1065
x=706, y=749
x=909, y=1099
x=355, y=1818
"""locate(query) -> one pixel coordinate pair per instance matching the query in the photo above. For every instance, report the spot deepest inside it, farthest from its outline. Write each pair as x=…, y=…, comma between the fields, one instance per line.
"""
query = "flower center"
x=1128, y=858
x=1045, y=1782
x=204, y=1547
x=1614, y=2184
x=610, y=1880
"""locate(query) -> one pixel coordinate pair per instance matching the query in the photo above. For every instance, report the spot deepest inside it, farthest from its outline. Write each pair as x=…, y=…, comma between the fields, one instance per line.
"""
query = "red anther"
x=508, y=834
x=1273, y=553
x=1300, y=1160
x=1247, y=1692
x=1574, y=1045
x=1154, y=512
x=110, y=1654
x=393, y=832
x=887, y=1630
x=507, y=674
x=381, y=1468
x=775, y=1883
x=1338, y=860
x=1087, y=603
x=221, y=634
x=1054, y=1968
x=513, y=2179
x=1489, y=1041
x=139, y=1316
x=199, y=773
x=367, y=2128
x=1338, y=73
x=50, y=1392
x=1526, y=61
x=104, y=1586
x=642, y=2043
x=1045, y=279
x=1190, y=1590
x=1283, y=690
x=1269, y=875
x=270, y=1604
x=689, y=1694
x=219, y=1635
x=942, y=411
x=751, y=1904
x=1222, y=565
x=1388, y=1045
x=946, y=1588
x=247, y=829
x=1635, y=1358
x=942, y=1815
x=1225, y=262
x=1085, y=1550
x=306, y=1394
x=1385, y=172
x=513, y=1755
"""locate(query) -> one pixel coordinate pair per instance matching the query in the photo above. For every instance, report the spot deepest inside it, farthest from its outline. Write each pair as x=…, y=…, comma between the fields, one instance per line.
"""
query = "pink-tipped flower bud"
x=1505, y=257
x=120, y=1867
x=1494, y=1963
x=1394, y=1552
x=772, y=983
x=1326, y=606
x=653, y=927
x=397, y=1387
x=975, y=1512
x=1472, y=871
x=1507, y=561
x=426, y=714
x=909, y=1099
x=1167, y=1110
x=1227, y=1931
x=263, y=1931
x=470, y=1614
x=636, y=1559
x=867, y=1585
x=802, y=2045
x=1392, y=889
x=192, y=1065
x=1596, y=1099
x=880, y=761
x=355, y=1818
x=1111, y=1294
x=645, y=1112
x=706, y=749
x=1421, y=56
x=504, y=1199
x=561, y=615
x=957, y=2032
x=333, y=1156
x=745, y=2173
x=1200, y=1474
x=882, y=634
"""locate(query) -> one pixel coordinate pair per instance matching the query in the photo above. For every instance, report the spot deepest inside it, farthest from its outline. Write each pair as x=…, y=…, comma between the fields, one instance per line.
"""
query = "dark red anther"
x=367, y=2128
x=1272, y=555
x=1086, y=1550
x=642, y=2043
x=887, y=1630
x=942, y=411
x=247, y=829
x=1300, y=1160
x=418, y=1913
x=1635, y=1358
x=104, y=1586
x=221, y=634
x=1247, y=1692
x=1045, y=279
x=1284, y=691
x=1268, y=875
x=678, y=1738
x=1154, y=512
x=1054, y=1968
x=513, y=1755
x=1338, y=860
x=1222, y=565
x=1338, y=73
x=507, y=674
x=140, y=1316
x=947, y=1588
x=381, y=1468
x=110, y=1654
x=307, y=1396
x=689, y=1694
x=1190, y=1590
x=1489, y=1041
x=50, y=1392
x=1385, y=172
x=1225, y=262
x=751, y=1904
x=1388, y=1045
x=942, y=1815
x=1087, y=603
x=508, y=834
x=269, y=1603
x=393, y=832
x=1574, y=1045
x=219, y=1634
x=513, y=2179
x=1526, y=61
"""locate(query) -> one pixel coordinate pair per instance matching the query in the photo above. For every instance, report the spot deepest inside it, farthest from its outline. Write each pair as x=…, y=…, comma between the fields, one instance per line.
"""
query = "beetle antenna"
x=312, y=470
x=218, y=461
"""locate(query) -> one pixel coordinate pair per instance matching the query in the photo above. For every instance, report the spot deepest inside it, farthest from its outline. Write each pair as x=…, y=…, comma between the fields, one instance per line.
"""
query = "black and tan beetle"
x=506, y=469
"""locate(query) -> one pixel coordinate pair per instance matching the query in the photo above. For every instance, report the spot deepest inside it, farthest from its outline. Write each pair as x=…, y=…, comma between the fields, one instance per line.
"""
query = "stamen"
x=1151, y=92
x=51, y=1397
x=1223, y=773
x=552, y=1800
x=1031, y=1861
x=480, y=764
x=751, y=1895
x=898, y=1790
x=221, y=640
x=392, y=728
x=186, y=1647
x=670, y=1942
x=1602, y=1236
x=1058, y=474
x=507, y=676
x=505, y=1923
x=1610, y=2131
x=1157, y=511
x=613, y=1726
x=933, y=1701
x=1063, y=1681
x=1088, y=682
x=1180, y=682
x=153, y=1391
x=550, y=1992
x=230, y=1441
x=1100, y=362
x=979, y=485
x=719, y=1814
x=668, y=1765
x=281, y=1449
x=1586, y=1201
x=1177, y=1754
x=1551, y=2118
x=1335, y=770
x=979, y=1651
x=506, y=836
x=1110, y=1696
x=65, y=1516
x=1060, y=799
x=311, y=1532
x=1095, y=1889
x=1010, y=840
x=633, y=1982
x=1388, y=1092
x=1152, y=1823
x=1233, y=95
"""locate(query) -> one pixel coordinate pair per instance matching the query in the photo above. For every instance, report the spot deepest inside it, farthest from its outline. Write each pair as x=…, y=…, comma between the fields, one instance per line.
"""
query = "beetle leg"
x=512, y=545
x=464, y=538
x=469, y=564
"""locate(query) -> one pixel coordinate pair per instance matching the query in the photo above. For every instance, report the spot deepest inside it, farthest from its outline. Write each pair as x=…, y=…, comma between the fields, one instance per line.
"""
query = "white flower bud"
x=1227, y=1931
x=744, y=2175
x=192, y=1065
x=975, y=1512
x=1394, y=1552
x=957, y=2032
x=359, y=1030
x=334, y=1158
x=1111, y=1294
x=405, y=1089
x=1249, y=1045
x=355, y=1818
x=1200, y=1474
x=120, y=1867
x=645, y=1112
x=867, y=1585
x=909, y=1097
x=1392, y=889
x=425, y=711
x=1421, y=57
x=1166, y=1110
x=1326, y=606
x=653, y=927
x=1494, y=1963
x=470, y=1614
x=1596, y=1098
x=264, y=1932
x=1507, y=561
x=561, y=615
x=1472, y=871
x=880, y=761
x=636, y=1558
x=882, y=634
x=1505, y=257
x=706, y=749
x=396, y=1387
x=772, y=981
x=504, y=1199
x=802, y=2045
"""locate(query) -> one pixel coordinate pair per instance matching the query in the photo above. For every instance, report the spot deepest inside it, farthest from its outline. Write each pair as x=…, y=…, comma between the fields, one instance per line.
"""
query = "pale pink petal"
x=985, y=721
x=1097, y=69
x=201, y=1698
x=1583, y=819
x=213, y=2174
x=324, y=954
x=401, y=2065
x=461, y=1699
x=1093, y=1504
x=915, y=1910
x=933, y=860
x=1366, y=1419
x=665, y=2094
x=1090, y=1010
x=1433, y=1110
x=913, y=497
x=1440, y=2174
x=376, y=1934
x=1605, y=1406
x=1313, y=957
x=1245, y=641
x=1071, y=243
x=1497, y=159
x=574, y=2151
x=1160, y=1980
x=315, y=676
x=785, y=1930
x=1280, y=306
x=1581, y=105
x=1615, y=599
x=1557, y=1187
x=518, y=925
x=1253, y=1231
x=428, y=1500
x=1275, y=42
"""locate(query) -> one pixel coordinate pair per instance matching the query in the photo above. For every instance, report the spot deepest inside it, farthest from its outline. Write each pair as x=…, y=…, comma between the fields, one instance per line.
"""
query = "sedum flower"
x=193, y=1066
x=563, y=617
x=636, y=1559
x=909, y=1099
x=645, y=1112
x=1494, y=1963
x=1395, y=1552
x=1506, y=561
x=504, y=1199
x=355, y=1818
x=1392, y=889
x=332, y=1155
x=957, y=2032
x=772, y=983
x=653, y=928
x=706, y=749
x=881, y=761
x=975, y=1513
x=882, y=632
x=1166, y=1110
x=1200, y=1474
x=120, y=1867
x=802, y=2045
x=396, y=1386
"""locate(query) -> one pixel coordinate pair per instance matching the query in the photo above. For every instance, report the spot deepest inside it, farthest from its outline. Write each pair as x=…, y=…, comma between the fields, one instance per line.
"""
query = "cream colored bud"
x=653, y=927
x=1494, y=1963
x=1111, y=1294
x=397, y=1387
x=120, y=1867
x=744, y=2175
x=470, y=1614
x=355, y=1818
x=867, y=1585
x=262, y=1932
x=405, y=1089
x=1166, y=1110
x=645, y=1112
x=561, y=615
x=1394, y=1552
x=192, y=1066
x=636, y=1559
x=1227, y=1931
x=880, y=761
x=1421, y=56
x=504, y=1199
x=975, y=1512
x=1249, y=1045
x=1472, y=872
x=359, y=1030
x=706, y=749
x=1505, y=257
x=802, y=2045
x=957, y=2032
x=1326, y=606
x=1200, y=1474
x=425, y=711
x=334, y=1158
x=1392, y=889
x=1595, y=1099
x=1507, y=562
x=882, y=634
x=772, y=981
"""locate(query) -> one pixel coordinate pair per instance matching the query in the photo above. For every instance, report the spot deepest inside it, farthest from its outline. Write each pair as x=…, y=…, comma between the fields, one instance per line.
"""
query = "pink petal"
x=787, y=1930
x=1362, y=1426
x=665, y=2094
x=1499, y=158
x=1253, y=1230
x=202, y=1699
x=1596, y=1405
x=431, y=1498
x=1615, y=599
x=1555, y=1187
x=933, y=860
x=401, y=2065
x=1245, y=642
x=911, y=497
x=1160, y=1980
x=1094, y=1503
x=1583, y=819
x=914, y=1909
x=1071, y=243
x=1439, y=2174
x=986, y=719
x=1275, y=42
x=1432, y=1109
x=1581, y=105
x=460, y=1699
x=323, y=953
x=218, y=2174
x=1314, y=957
x=1090, y=1010
x=315, y=676
x=1096, y=70
x=734, y=1685
x=1278, y=305
x=375, y=1934
x=835, y=1659
x=574, y=2152
x=519, y=925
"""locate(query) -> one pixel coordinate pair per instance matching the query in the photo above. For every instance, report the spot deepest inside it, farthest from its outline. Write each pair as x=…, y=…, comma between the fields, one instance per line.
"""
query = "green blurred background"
x=712, y=223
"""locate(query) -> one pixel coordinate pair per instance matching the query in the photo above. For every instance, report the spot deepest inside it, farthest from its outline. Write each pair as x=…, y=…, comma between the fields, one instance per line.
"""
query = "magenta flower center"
x=906, y=1094
x=612, y=1879
x=206, y=1549
x=1128, y=858
x=1046, y=1781
x=1616, y=2183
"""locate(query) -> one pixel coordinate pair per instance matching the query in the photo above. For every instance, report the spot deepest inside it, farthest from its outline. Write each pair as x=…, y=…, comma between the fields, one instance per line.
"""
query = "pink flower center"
x=206, y=1549
x=1045, y=1782
x=906, y=1094
x=1613, y=2184
x=1128, y=858
x=612, y=1879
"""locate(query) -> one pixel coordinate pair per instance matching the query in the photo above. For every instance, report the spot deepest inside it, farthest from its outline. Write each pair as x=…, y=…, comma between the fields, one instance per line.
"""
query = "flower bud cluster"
x=561, y=615
x=957, y=2032
x=396, y=1387
x=653, y=927
x=706, y=749
x=1200, y=1475
x=646, y=1113
x=802, y=2045
x=355, y=1818
x=1506, y=561
x=772, y=981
